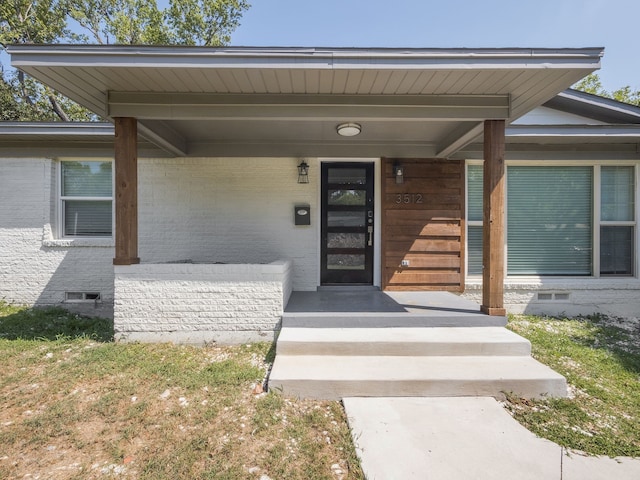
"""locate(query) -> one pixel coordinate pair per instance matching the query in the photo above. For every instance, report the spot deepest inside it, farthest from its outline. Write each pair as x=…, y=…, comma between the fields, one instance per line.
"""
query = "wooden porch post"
x=126, y=191
x=493, y=219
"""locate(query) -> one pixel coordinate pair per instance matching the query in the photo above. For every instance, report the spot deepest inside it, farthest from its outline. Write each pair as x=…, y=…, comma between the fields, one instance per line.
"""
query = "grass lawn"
x=75, y=405
x=600, y=358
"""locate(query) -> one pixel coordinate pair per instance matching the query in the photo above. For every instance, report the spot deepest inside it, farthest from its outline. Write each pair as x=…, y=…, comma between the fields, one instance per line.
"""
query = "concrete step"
x=332, y=377
x=437, y=341
x=434, y=319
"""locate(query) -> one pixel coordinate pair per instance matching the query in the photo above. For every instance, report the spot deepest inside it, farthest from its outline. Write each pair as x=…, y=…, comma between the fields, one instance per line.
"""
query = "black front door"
x=347, y=223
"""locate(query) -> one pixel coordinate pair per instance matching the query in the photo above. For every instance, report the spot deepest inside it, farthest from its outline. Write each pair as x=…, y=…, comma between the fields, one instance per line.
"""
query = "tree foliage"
x=142, y=22
x=24, y=99
x=592, y=84
x=129, y=22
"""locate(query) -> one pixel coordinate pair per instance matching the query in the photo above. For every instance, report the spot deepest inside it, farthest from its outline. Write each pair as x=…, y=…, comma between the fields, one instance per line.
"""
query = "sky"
x=612, y=24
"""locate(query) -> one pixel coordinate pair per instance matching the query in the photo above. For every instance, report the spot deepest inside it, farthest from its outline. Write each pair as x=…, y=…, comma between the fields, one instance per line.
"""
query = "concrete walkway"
x=463, y=438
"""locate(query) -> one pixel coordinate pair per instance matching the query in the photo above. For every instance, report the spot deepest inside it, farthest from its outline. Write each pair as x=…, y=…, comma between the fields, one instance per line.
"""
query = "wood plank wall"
x=423, y=223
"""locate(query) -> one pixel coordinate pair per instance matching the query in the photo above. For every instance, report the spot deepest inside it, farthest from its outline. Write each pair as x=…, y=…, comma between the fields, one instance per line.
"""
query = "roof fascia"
x=299, y=58
x=63, y=129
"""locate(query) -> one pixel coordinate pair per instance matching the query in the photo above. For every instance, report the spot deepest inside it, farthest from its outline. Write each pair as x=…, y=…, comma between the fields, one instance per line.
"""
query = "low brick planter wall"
x=200, y=303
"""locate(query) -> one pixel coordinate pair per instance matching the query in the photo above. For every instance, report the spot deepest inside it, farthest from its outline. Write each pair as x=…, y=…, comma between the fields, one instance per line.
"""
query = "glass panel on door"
x=345, y=240
x=345, y=262
x=346, y=219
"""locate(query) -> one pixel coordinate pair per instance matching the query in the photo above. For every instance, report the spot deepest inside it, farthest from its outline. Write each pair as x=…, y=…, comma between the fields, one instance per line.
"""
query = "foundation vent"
x=82, y=297
x=553, y=297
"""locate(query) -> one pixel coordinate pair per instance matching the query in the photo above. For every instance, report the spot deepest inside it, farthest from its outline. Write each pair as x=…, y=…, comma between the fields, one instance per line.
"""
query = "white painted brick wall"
x=33, y=269
x=200, y=303
x=230, y=210
x=206, y=210
x=619, y=297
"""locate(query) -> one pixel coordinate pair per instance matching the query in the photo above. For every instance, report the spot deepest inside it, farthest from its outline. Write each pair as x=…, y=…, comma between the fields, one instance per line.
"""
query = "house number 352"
x=408, y=198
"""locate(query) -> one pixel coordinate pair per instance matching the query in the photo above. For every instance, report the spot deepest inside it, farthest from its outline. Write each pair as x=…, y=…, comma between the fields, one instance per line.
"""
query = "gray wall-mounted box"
x=302, y=214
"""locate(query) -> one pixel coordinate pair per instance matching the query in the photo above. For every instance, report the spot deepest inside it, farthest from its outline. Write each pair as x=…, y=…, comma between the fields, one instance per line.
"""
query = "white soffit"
x=168, y=87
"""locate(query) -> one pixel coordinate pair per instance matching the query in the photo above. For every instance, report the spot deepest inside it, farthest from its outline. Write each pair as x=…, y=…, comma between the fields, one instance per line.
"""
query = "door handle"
x=370, y=231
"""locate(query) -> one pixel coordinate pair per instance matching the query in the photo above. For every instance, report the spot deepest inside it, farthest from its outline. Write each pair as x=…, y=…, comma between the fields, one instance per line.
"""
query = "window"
x=86, y=199
x=549, y=218
x=474, y=219
x=617, y=220
x=556, y=219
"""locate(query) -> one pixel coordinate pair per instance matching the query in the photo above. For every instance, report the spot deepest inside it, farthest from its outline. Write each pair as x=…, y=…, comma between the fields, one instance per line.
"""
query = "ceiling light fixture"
x=348, y=129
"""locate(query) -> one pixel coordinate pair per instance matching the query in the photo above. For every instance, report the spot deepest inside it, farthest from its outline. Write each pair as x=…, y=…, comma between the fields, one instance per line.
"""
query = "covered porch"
x=267, y=103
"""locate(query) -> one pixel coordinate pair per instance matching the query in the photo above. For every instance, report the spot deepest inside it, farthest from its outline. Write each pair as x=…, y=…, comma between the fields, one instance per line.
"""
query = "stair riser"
x=403, y=349
x=338, y=389
x=365, y=320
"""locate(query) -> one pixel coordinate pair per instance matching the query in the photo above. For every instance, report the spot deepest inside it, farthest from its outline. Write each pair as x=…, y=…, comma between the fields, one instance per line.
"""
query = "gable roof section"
x=544, y=115
x=287, y=101
x=610, y=130
x=595, y=107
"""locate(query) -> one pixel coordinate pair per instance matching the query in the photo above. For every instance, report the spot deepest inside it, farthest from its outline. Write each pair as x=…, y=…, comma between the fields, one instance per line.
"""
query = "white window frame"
x=599, y=223
x=61, y=199
x=473, y=223
x=596, y=205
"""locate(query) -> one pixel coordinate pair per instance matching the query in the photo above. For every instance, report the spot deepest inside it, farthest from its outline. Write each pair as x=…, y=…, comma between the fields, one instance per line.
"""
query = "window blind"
x=86, y=179
x=474, y=214
x=474, y=193
x=549, y=215
x=617, y=204
x=87, y=218
x=474, y=250
x=616, y=250
x=617, y=192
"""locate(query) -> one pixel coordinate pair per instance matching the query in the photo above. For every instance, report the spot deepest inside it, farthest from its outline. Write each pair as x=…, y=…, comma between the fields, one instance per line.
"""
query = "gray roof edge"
x=57, y=128
x=253, y=50
x=73, y=53
x=595, y=107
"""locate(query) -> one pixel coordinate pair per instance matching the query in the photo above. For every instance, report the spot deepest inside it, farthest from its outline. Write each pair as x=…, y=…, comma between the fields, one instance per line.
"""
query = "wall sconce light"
x=398, y=172
x=303, y=172
x=349, y=129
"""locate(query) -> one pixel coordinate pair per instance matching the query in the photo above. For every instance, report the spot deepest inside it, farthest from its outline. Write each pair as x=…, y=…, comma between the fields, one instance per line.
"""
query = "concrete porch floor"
x=344, y=307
